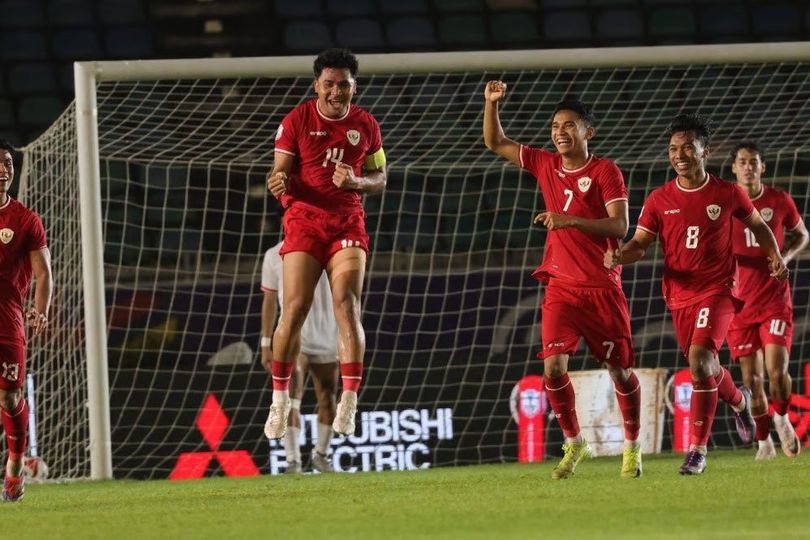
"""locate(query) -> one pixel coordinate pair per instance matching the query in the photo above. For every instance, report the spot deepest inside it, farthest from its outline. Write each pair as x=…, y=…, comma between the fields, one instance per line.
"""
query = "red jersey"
x=21, y=232
x=318, y=143
x=755, y=284
x=573, y=256
x=694, y=227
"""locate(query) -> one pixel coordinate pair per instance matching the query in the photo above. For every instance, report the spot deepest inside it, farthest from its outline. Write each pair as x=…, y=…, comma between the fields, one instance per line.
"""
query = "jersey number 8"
x=692, y=236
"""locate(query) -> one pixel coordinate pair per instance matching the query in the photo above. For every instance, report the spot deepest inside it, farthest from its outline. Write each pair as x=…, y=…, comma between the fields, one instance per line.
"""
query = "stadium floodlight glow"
x=151, y=187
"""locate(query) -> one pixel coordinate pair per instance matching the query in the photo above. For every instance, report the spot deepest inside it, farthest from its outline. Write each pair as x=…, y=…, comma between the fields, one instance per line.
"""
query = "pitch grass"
x=736, y=499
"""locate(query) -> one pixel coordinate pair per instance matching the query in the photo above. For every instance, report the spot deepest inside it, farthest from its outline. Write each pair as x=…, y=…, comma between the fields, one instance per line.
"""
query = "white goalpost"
x=151, y=187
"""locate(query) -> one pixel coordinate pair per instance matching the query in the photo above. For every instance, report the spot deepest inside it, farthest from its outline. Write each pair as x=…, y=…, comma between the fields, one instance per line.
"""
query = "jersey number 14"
x=335, y=155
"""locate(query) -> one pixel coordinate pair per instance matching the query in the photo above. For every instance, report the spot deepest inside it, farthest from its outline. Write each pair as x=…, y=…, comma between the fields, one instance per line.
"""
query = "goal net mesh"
x=450, y=310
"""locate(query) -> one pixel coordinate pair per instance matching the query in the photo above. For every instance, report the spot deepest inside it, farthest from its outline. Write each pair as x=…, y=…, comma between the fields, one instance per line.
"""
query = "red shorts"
x=705, y=323
x=775, y=329
x=12, y=365
x=322, y=234
x=599, y=315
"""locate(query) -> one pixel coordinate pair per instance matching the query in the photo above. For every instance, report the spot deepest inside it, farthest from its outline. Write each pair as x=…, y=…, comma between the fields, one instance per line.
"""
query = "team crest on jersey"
x=714, y=211
x=767, y=213
x=584, y=184
x=354, y=136
x=279, y=131
x=6, y=235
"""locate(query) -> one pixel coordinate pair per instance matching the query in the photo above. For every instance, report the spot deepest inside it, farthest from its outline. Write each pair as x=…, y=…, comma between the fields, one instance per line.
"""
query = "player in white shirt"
x=318, y=355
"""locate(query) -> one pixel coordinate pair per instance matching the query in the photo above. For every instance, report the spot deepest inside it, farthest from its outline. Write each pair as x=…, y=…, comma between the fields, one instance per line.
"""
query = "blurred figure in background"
x=318, y=357
x=762, y=333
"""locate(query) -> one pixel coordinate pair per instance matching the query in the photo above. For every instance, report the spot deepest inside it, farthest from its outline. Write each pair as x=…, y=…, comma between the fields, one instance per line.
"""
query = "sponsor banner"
x=384, y=440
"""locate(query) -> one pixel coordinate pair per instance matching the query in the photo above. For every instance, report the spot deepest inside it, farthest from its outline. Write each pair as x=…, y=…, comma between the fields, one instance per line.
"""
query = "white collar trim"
x=318, y=109
x=701, y=186
x=571, y=171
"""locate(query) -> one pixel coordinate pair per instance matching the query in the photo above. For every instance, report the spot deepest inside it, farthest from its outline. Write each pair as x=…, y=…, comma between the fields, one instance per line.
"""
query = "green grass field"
x=736, y=499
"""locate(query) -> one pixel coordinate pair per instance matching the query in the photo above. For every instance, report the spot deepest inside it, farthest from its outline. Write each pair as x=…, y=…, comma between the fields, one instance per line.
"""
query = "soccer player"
x=318, y=356
x=692, y=216
x=760, y=335
x=586, y=214
x=328, y=153
x=23, y=253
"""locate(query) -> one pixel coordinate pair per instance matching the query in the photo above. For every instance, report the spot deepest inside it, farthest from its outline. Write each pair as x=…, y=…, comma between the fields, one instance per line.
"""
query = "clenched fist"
x=495, y=91
x=344, y=177
x=613, y=258
x=277, y=183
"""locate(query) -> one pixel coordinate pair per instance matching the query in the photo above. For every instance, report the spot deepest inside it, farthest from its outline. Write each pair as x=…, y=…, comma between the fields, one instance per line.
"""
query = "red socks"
x=351, y=373
x=702, y=409
x=780, y=406
x=726, y=390
x=560, y=394
x=281, y=372
x=16, y=426
x=763, y=423
x=628, y=394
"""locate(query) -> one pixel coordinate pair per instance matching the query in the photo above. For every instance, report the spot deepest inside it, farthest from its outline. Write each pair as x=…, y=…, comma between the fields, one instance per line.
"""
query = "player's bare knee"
x=756, y=382
x=347, y=308
x=554, y=369
x=778, y=378
x=703, y=363
x=619, y=374
x=700, y=370
x=295, y=313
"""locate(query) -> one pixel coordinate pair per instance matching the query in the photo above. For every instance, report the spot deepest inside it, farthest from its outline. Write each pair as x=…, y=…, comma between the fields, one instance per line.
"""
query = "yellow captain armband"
x=376, y=160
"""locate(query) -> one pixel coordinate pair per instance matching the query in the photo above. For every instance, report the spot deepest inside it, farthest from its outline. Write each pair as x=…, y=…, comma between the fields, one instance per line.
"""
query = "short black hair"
x=572, y=103
x=695, y=122
x=337, y=59
x=753, y=146
x=5, y=145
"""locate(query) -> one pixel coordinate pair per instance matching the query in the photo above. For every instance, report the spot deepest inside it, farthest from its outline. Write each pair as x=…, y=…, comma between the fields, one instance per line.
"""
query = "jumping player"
x=328, y=153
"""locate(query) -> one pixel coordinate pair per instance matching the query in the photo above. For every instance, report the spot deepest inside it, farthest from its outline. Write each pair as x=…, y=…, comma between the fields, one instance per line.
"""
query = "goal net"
x=450, y=310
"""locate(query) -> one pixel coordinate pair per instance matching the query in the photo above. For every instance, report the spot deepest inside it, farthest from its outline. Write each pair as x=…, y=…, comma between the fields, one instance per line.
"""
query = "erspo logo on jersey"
x=384, y=440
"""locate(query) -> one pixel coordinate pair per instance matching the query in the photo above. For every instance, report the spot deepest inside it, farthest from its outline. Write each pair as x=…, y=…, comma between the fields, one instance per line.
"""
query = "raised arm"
x=632, y=251
x=494, y=137
x=767, y=242
x=615, y=225
x=37, y=315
